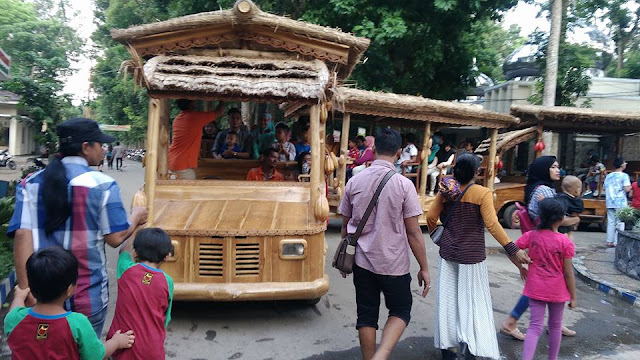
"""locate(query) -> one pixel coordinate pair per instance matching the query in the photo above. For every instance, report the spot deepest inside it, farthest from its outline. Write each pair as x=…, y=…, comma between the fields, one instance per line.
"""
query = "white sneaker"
x=588, y=192
x=431, y=194
x=596, y=193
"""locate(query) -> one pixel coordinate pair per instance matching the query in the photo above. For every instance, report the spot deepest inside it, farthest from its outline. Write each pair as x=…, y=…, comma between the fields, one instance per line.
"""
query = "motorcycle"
x=38, y=163
x=6, y=160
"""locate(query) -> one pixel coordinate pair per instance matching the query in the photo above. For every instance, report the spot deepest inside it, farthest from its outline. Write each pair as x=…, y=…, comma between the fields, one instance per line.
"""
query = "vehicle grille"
x=210, y=260
x=247, y=259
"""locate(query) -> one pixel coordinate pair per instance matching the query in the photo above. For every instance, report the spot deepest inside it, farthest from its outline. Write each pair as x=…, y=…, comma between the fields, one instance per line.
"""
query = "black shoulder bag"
x=436, y=234
x=344, y=257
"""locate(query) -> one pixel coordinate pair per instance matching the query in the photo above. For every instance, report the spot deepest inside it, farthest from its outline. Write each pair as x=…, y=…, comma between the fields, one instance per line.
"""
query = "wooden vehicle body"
x=378, y=108
x=565, y=119
x=236, y=240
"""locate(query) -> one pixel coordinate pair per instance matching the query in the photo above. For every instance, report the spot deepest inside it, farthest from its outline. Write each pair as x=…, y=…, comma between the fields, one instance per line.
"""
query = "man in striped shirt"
x=73, y=206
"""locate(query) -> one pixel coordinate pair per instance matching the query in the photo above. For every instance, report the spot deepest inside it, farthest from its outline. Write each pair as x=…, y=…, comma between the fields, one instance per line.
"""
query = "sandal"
x=515, y=333
x=566, y=332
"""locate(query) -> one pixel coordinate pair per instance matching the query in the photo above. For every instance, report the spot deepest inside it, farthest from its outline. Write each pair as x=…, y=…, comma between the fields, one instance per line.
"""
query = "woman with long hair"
x=542, y=173
x=70, y=205
x=464, y=312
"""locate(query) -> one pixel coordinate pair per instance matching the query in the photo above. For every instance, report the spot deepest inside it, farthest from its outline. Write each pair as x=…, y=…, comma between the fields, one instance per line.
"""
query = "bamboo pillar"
x=491, y=166
x=153, y=132
x=619, y=144
x=317, y=154
x=163, y=141
x=425, y=159
x=344, y=151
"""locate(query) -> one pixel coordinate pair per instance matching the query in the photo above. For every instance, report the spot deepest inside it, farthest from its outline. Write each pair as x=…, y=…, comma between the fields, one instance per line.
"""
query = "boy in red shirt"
x=48, y=331
x=145, y=294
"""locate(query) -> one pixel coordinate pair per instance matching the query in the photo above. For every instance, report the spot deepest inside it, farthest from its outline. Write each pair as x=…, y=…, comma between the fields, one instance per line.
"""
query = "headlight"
x=291, y=249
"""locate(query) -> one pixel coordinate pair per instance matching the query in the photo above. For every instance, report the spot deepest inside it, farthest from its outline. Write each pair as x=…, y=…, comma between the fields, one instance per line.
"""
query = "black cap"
x=79, y=130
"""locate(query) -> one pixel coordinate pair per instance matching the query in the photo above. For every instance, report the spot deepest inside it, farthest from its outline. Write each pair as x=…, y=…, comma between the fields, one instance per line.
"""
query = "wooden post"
x=425, y=160
x=153, y=132
x=619, y=144
x=491, y=166
x=317, y=153
x=344, y=151
x=163, y=141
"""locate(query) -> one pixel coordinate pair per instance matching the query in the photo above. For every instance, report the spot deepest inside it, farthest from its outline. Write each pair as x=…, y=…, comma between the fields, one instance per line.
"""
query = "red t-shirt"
x=145, y=295
x=636, y=195
x=187, y=138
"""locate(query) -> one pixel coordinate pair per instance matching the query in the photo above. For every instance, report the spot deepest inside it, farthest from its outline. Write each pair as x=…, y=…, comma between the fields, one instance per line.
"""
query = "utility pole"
x=551, y=76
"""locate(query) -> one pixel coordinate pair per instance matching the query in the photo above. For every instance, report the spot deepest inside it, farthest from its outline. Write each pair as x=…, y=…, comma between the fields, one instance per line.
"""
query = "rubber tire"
x=11, y=164
x=312, y=302
x=507, y=216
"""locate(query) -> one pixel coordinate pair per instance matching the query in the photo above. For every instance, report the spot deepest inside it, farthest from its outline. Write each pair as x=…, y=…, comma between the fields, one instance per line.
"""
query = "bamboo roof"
x=557, y=118
x=246, y=26
x=507, y=140
x=236, y=77
x=408, y=107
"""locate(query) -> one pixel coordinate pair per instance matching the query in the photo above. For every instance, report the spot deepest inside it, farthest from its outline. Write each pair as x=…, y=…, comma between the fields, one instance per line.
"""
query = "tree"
x=41, y=51
x=491, y=44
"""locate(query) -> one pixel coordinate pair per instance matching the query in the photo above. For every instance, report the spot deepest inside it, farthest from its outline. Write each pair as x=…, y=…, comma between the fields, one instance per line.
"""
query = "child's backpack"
x=526, y=223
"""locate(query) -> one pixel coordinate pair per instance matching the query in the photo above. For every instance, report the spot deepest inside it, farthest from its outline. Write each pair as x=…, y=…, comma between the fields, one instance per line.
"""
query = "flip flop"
x=515, y=333
x=566, y=332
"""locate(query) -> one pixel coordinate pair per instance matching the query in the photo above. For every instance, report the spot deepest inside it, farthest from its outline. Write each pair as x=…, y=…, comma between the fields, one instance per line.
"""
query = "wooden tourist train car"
x=387, y=109
x=237, y=240
x=535, y=119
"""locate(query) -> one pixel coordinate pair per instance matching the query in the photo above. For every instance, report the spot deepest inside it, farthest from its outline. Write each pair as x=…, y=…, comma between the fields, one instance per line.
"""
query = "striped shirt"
x=97, y=211
x=542, y=191
x=463, y=237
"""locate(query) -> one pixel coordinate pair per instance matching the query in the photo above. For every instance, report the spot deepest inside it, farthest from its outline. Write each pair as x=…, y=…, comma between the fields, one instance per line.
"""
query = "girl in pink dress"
x=550, y=280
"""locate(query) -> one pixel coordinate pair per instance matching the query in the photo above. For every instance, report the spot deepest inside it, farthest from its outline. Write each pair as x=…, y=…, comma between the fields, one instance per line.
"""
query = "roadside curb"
x=7, y=285
x=626, y=295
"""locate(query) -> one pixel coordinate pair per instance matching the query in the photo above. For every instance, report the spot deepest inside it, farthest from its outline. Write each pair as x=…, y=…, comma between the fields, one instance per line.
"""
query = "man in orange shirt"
x=187, y=137
x=266, y=172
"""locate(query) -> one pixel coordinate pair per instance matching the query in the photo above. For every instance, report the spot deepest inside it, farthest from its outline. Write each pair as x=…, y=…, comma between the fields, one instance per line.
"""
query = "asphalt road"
x=607, y=328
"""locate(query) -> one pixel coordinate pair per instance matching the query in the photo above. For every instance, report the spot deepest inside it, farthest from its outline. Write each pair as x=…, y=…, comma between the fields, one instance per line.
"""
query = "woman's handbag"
x=436, y=234
x=344, y=257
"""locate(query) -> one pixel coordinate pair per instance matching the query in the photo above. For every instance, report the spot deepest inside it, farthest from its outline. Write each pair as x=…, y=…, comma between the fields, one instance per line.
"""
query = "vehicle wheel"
x=12, y=165
x=312, y=302
x=510, y=218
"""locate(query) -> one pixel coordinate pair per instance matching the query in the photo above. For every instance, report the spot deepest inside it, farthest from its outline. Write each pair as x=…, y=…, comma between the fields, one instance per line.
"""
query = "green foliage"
x=628, y=214
x=41, y=49
x=573, y=82
x=6, y=209
x=491, y=45
x=6, y=253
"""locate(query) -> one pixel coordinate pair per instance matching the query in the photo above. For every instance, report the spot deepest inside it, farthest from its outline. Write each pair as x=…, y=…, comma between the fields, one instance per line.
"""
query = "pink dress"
x=547, y=250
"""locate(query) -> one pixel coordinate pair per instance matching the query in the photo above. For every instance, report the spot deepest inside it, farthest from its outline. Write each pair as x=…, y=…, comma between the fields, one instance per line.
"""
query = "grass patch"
x=6, y=253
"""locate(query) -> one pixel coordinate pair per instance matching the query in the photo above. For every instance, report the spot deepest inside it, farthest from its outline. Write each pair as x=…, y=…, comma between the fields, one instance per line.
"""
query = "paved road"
x=607, y=328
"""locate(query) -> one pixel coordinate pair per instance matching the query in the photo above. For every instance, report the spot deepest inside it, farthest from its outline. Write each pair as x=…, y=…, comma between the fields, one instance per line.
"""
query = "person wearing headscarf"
x=367, y=155
x=444, y=159
x=541, y=175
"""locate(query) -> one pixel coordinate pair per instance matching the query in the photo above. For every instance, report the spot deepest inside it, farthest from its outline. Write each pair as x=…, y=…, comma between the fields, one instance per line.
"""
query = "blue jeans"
x=520, y=308
x=97, y=321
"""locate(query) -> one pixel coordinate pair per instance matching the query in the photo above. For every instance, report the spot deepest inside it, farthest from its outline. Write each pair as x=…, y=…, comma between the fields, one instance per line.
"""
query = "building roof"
x=245, y=26
x=417, y=108
x=9, y=97
x=507, y=140
x=559, y=118
x=236, y=78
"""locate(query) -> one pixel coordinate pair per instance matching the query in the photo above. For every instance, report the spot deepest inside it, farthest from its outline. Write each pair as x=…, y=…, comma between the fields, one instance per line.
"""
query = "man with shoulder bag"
x=380, y=222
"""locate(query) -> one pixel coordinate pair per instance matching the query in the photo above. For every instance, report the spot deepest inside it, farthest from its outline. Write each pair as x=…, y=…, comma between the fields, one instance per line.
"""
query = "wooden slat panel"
x=233, y=215
x=292, y=216
x=207, y=216
x=175, y=215
x=260, y=215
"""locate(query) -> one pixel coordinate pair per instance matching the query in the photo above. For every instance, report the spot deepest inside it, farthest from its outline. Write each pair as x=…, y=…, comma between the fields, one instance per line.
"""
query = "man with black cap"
x=70, y=205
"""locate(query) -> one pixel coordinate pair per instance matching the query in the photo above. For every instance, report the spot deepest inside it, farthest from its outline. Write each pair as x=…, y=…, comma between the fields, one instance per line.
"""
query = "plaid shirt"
x=97, y=211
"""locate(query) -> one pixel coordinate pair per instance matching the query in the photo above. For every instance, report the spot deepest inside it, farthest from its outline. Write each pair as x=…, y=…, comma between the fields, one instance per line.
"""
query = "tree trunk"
x=551, y=77
x=620, y=45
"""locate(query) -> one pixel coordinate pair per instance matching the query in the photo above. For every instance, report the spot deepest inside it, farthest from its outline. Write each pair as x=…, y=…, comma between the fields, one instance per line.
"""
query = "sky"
x=78, y=84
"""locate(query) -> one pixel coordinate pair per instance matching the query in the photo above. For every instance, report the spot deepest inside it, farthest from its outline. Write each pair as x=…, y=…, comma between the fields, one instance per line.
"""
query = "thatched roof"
x=507, y=140
x=245, y=25
x=417, y=108
x=236, y=77
x=558, y=118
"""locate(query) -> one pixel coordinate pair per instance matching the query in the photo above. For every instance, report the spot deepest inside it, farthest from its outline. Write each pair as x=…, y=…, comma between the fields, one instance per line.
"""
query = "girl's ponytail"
x=55, y=196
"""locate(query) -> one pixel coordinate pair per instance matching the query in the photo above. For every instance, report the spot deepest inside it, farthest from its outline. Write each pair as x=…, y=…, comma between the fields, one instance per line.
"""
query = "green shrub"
x=628, y=214
x=6, y=209
x=6, y=253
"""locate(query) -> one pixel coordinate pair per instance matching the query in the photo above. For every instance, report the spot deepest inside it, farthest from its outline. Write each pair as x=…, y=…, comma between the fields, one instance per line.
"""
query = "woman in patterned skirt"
x=464, y=314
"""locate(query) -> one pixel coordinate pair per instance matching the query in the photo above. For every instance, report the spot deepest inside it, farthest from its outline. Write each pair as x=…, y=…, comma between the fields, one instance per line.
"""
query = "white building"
x=16, y=134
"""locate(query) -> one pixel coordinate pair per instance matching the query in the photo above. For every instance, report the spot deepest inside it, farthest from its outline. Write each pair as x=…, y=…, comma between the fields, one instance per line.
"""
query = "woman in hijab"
x=367, y=155
x=445, y=157
x=541, y=175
